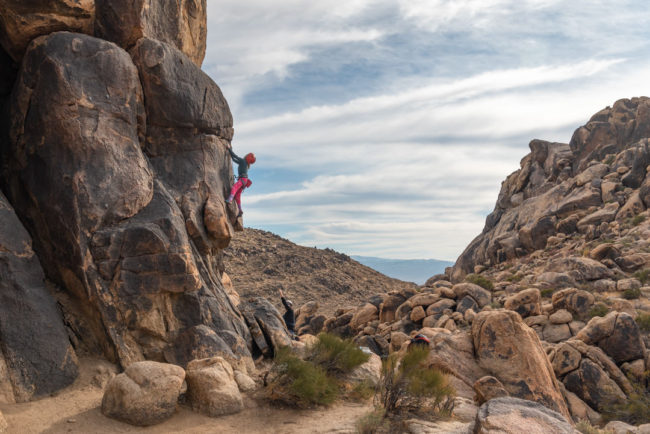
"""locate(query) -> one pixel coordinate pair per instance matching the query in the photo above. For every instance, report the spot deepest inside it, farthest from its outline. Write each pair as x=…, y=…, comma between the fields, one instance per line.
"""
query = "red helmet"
x=250, y=158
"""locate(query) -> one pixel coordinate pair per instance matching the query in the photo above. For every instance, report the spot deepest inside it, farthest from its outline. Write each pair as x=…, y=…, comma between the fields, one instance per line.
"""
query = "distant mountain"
x=410, y=270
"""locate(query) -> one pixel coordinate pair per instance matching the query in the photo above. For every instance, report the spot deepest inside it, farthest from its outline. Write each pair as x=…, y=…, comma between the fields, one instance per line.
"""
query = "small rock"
x=244, y=382
x=562, y=316
x=625, y=284
x=146, y=393
x=487, y=388
x=618, y=427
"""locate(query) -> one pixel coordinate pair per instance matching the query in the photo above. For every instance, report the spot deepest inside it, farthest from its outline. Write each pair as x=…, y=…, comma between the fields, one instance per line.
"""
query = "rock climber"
x=243, y=164
x=289, y=317
x=419, y=341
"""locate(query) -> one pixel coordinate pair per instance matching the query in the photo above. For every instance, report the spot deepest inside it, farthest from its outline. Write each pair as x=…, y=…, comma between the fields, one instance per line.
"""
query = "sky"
x=385, y=128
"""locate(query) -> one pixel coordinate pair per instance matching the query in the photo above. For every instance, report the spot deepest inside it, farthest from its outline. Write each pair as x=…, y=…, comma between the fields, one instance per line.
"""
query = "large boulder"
x=574, y=300
x=511, y=351
x=592, y=384
x=511, y=415
x=22, y=21
x=131, y=252
x=261, y=312
x=179, y=23
x=146, y=393
x=617, y=334
x=480, y=295
x=212, y=388
x=34, y=346
x=525, y=303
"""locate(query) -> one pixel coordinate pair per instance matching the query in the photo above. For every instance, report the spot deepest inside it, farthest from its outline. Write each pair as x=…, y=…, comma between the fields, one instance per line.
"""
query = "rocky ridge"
x=260, y=263
x=542, y=304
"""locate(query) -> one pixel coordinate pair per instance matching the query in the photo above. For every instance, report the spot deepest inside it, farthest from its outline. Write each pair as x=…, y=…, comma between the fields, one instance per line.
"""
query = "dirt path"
x=77, y=410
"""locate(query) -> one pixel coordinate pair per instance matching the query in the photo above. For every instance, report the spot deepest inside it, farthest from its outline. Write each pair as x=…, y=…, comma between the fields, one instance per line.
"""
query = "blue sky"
x=384, y=128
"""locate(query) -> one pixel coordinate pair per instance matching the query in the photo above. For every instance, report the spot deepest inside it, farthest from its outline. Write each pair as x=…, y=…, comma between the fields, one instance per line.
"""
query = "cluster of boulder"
x=147, y=393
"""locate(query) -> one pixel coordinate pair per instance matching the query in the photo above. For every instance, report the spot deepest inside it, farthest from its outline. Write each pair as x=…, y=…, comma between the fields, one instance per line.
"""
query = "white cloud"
x=519, y=70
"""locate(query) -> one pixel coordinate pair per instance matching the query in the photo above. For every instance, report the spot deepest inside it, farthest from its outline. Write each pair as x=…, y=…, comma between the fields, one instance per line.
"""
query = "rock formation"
x=115, y=163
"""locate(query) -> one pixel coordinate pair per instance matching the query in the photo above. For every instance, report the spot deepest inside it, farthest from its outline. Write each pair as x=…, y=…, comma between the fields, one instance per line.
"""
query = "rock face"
x=116, y=164
x=128, y=240
x=146, y=393
x=509, y=350
x=182, y=24
x=28, y=313
x=511, y=415
x=561, y=188
x=21, y=21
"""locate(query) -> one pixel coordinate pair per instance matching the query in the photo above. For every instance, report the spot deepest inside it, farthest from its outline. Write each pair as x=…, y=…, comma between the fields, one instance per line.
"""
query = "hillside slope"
x=261, y=263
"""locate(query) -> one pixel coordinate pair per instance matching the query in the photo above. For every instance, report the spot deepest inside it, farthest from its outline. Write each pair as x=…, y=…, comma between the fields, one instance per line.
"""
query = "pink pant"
x=238, y=188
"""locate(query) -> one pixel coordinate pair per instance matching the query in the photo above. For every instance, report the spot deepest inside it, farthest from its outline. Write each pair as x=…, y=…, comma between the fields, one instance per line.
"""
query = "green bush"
x=480, y=281
x=372, y=422
x=585, y=427
x=638, y=219
x=515, y=278
x=408, y=383
x=301, y=382
x=632, y=294
x=635, y=409
x=599, y=309
x=547, y=292
x=336, y=355
x=643, y=320
x=643, y=276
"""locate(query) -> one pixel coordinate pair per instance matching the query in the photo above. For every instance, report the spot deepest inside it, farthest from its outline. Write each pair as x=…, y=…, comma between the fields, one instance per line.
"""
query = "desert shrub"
x=585, y=427
x=632, y=294
x=638, y=219
x=610, y=159
x=496, y=304
x=547, y=292
x=635, y=409
x=480, y=281
x=599, y=309
x=301, y=382
x=515, y=277
x=643, y=320
x=643, y=276
x=336, y=355
x=372, y=422
x=363, y=391
x=408, y=383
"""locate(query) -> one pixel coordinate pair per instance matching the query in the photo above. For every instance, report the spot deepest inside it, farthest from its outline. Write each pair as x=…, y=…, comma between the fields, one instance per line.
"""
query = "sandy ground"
x=77, y=410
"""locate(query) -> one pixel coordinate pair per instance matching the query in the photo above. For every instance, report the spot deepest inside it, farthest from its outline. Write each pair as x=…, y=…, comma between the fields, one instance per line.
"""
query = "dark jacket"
x=242, y=164
x=289, y=317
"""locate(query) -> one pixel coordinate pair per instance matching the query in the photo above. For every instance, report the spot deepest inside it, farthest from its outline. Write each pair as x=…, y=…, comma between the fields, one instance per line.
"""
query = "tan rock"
x=510, y=415
x=625, y=284
x=592, y=384
x=430, y=321
x=579, y=409
x=182, y=24
x=216, y=222
x=3, y=423
x=605, y=250
x=511, y=351
x=397, y=339
x=618, y=427
x=438, y=307
x=574, y=300
x=363, y=315
x=525, y=303
x=22, y=22
x=417, y=314
x=632, y=207
x=244, y=382
x=487, y=388
x=562, y=316
x=369, y=371
x=539, y=320
x=423, y=299
x=146, y=393
x=556, y=332
x=480, y=295
x=212, y=388
x=230, y=289
x=566, y=358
